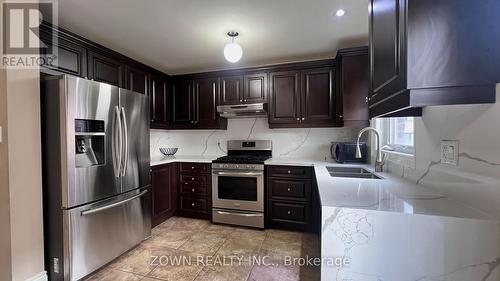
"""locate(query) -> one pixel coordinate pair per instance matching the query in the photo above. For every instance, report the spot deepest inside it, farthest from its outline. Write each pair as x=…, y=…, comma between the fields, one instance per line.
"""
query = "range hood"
x=243, y=110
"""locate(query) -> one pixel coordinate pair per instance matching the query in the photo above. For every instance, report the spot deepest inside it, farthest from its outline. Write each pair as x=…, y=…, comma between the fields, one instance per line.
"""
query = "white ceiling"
x=181, y=36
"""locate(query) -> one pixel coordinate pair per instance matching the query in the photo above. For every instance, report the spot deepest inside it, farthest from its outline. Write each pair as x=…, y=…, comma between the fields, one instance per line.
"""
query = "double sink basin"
x=351, y=172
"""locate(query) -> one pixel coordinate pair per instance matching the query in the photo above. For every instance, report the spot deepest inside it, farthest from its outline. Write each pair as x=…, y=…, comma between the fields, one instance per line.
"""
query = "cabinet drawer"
x=298, y=213
x=195, y=167
x=290, y=189
x=194, y=189
x=193, y=204
x=194, y=179
x=290, y=172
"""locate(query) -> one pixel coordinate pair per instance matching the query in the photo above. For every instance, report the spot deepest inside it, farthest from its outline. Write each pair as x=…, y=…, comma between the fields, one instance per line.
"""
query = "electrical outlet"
x=449, y=152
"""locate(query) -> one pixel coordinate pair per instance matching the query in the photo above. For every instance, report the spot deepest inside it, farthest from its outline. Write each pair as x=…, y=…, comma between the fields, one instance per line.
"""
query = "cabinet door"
x=318, y=99
x=231, y=90
x=71, y=58
x=205, y=102
x=284, y=99
x=105, y=69
x=387, y=48
x=353, y=83
x=182, y=102
x=158, y=101
x=164, y=192
x=137, y=80
x=255, y=88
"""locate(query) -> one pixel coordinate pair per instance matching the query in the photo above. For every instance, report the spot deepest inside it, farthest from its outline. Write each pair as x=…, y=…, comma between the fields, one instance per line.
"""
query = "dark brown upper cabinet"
x=105, y=69
x=182, y=103
x=245, y=88
x=427, y=52
x=137, y=80
x=71, y=58
x=206, y=92
x=284, y=98
x=353, y=86
x=158, y=98
x=255, y=88
x=231, y=90
x=194, y=104
x=317, y=99
x=302, y=98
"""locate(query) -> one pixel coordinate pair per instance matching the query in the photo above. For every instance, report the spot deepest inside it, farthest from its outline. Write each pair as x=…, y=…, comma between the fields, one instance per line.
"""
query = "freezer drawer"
x=102, y=231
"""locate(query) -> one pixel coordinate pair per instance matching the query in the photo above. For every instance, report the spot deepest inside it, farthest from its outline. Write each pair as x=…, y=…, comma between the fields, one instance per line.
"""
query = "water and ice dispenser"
x=90, y=148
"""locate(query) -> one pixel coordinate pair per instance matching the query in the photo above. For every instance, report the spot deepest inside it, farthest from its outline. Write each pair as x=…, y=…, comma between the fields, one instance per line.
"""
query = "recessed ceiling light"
x=340, y=12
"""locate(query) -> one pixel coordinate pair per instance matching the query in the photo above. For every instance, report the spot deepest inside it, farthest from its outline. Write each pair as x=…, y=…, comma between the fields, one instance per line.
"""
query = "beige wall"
x=21, y=219
x=5, y=259
x=25, y=179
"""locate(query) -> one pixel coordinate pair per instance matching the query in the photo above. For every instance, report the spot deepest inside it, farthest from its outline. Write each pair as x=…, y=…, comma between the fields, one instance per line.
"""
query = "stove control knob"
x=237, y=166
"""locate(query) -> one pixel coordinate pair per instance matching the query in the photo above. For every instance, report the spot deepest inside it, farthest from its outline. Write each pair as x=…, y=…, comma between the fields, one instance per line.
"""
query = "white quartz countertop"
x=159, y=160
x=389, y=194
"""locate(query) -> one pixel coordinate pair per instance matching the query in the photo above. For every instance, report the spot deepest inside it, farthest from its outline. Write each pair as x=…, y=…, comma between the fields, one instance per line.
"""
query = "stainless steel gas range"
x=238, y=183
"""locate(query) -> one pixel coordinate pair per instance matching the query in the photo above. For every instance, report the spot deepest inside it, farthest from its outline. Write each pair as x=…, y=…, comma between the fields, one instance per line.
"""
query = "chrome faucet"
x=379, y=161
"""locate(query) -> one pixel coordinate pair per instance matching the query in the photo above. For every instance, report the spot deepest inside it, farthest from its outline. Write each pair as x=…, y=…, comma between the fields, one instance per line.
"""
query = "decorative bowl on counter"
x=168, y=151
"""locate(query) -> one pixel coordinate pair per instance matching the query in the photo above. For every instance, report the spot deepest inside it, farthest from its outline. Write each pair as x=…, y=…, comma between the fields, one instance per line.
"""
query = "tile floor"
x=182, y=249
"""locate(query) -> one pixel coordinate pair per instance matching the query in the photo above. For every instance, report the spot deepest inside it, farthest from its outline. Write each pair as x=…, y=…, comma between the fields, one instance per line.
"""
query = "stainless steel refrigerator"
x=96, y=190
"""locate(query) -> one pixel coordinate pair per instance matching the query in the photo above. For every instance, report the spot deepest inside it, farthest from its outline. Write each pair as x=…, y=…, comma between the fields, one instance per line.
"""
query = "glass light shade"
x=233, y=52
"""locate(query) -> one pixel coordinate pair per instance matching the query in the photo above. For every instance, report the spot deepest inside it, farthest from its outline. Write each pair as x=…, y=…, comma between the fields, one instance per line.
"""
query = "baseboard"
x=42, y=276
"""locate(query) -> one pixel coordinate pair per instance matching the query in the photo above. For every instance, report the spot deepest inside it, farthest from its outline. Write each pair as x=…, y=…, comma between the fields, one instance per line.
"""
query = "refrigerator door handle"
x=117, y=142
x=112, y=205
x=125, y=142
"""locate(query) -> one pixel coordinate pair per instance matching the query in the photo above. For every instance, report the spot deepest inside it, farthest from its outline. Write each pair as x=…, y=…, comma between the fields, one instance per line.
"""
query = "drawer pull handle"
x=192, y=167
x=192, y=190
x=192, y=179
x=289, y=171
x=289, y=212
x=289, y=189
x=187, y=183
x=192, y=204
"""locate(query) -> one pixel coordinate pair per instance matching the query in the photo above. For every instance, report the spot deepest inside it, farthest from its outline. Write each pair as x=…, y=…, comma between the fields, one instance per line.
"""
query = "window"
x=398, y=133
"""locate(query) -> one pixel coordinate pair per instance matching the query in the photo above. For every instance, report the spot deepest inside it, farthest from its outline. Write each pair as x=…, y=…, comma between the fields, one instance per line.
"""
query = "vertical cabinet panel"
x=318, y=100
x=105, y=69
x=284, y=97
x=387, y=47
x=137, y=80
x=353, y=86
x=231, y=90
x=205, y=94
x=182, y=102
x=158, y=98
x=164, y=194
x=255, y=90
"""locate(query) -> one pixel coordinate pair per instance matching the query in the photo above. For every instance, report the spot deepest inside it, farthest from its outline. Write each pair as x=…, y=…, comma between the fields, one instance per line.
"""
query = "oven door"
x=238, y=189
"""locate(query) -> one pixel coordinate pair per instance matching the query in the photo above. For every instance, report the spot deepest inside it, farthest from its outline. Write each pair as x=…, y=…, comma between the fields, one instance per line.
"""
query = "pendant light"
x=233, y=51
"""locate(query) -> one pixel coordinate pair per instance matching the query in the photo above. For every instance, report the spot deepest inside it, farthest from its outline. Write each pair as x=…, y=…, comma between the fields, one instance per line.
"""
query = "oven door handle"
x=239, y=214
x=238, y=174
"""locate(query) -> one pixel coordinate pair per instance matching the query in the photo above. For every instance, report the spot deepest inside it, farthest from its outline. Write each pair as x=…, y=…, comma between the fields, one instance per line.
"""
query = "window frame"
x=385, y=126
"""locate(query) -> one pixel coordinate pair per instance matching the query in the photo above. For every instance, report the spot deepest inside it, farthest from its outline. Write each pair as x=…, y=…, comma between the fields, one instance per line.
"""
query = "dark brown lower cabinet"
x=292, y=198
x=195, y=190
x=164, y=192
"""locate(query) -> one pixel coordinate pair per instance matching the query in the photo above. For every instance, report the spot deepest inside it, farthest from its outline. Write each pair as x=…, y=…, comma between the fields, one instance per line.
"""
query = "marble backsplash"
x=476, y=179
x=287, y=143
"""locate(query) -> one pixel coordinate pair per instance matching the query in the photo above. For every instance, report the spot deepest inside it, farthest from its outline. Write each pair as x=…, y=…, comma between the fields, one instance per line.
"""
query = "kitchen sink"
x=351, y=172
